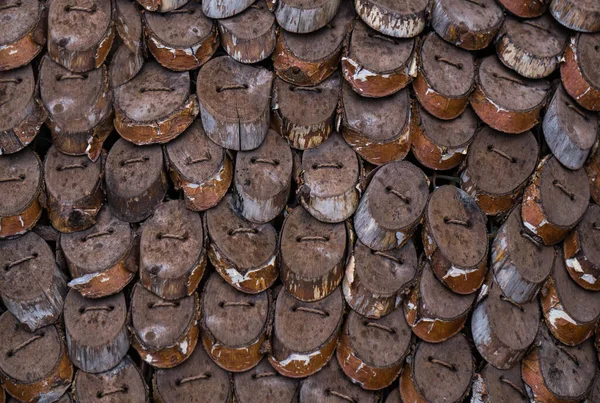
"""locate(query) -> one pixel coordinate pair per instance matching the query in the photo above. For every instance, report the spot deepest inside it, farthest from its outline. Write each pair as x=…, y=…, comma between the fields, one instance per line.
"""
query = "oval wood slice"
x=155, y=106
x=21, y=183
x=467, y=24
x=442, y=144
x=79, y=108
x=493, y=385
x=445, y=77
x=438, y=372
x=250, y=36
x=376, y=65
x=434, y=312
x=554, y=201
x=172, y=251
x=101, y=258
x=305, y=16
x=96, y=331
x=136, y=181
x=400, y=20
x=34, y=365
x=218, y=9
x=23, y=32
x=162, y=6
x=533, y=48
x=378, y=129
x=263, y=179
x=31, y=285
x=392, y=206
x=329, y=180
x=571, y=312
x=502, y=329
x=243, y=253
x=371, y=352
x=223, y=83
x=21, y=113
x=579, y=74
x=164, y=333
x=578, y=15
x=570, y=132
x=264, y=384
x=331, y=385
x=128, y=22
x=525, y=9
x=303, y=235
x=581, y=250
x=124, y=383
x=74, y=190
x=182, y=39
x=506, y=101
x=308, y=59
x=498, y=166
x=305, y=115
x=200, y=167
x=376, y=282
x=520, y=263
x=234, y=325
x=197, y=380
x=124, y=65
x=80, y=34
x=455, y=239
x=305, y=334
x=556, y=373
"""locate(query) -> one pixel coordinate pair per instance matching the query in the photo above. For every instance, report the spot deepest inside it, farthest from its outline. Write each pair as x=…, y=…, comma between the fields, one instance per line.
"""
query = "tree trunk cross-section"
x=578, y=15
x=579, y=73
x=264, y=384
x=305, y=16
x=581, y=250
x=398, y=19
x=23, y=34
x=492, y=385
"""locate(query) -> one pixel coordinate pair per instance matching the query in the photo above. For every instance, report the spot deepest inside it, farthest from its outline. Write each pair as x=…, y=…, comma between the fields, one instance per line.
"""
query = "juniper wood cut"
x=579, y=74
x=128, y=22
x=218, y=9
x=162, y=6
x=578, y=15
x=493, y=385
x=23, y=32
x=304, y=16
x=263, y=384
x=124, y=65
x=525, y=8
x=581, y=250
x=400, y=20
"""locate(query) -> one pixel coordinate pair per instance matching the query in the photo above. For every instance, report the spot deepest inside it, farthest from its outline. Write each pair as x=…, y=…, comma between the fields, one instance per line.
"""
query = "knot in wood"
x=232, y=87
x=387, y=256
x=536, y=25
x=10, y=265
x=307, y=89
x=226, y=304
x=449, y=62
x=134, y=160
x=122, y=389
x=312, y=238
x=596, y=226
x=109, y=231
x=107, y=308
x=530, y=239
x=71, y=166
x=90, y=10
x=242, y=231
x=456, y=221
x=336, y=165
x=256, y=7
x=19, y=178
x=182, y=381
x=445, y=364
x=310, y=310
x=14, y=4
x=576, y=110
x=190, y=161
x=501, y=153
x=263, y=375
x=156, y=89
x=382, y=37
x=163, y=304
x=514, y=386
x=380, y=327
x=564, y=189
x=183, y=237
x=567, y=353
x=511, y=79
x=71, y=76
x=477, y=3
x=255, y=160
x=181, y=11
x=11, y=81
x=340, y=395
x=21, y=346
x=396, y=193
x=513, y=303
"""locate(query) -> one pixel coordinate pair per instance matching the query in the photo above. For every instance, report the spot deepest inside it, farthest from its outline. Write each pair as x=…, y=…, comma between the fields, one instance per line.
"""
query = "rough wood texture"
x=162, y=6
x=23, y=33
x=218, y=9
x=525, y=8
x=263, y=384
x=124, y=65
x=80, y=37
x=128, y=22
x=578, y=73
x=592, y=169
x=581, y=248
x=578, y=15
x=492, y=385
x=394, y=19
x=305, y=16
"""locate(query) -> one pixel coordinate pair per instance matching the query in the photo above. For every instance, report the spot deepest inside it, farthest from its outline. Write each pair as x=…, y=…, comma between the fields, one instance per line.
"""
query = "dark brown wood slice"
x=570, y=132
x=578, y=15
x=99, y=257
x=243, y=253
x=162, y=6
x=392, y=206
x=123, y=383
x=20, y=189
x=172, y=251
x=264, y=384
x=304, y=16
x=31, y=285
x=305, y=333
x=74, y=190
x=376, y=282
x=80, y=35
x=401, y=20
x=128, y=22
x=581, y=250
x=182, y=39
x=498, y=166
x=218, y=9
x=34, y=365
x=234, y=103
x=493, y=385
x=23, y=32
x=303, y=235
x=21, y=113
x=124, y=65
x=262, y=180
x=79, y=108
x=579, y=74
x=135, y=180
x=250, y=36
x=197, y=380
x=329, y=179
x=234, y=324
x=533, y=48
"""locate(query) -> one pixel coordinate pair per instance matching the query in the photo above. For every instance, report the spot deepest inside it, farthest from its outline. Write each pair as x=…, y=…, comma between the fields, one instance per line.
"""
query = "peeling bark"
x=576, y=14
x=23, y=50
x=575, y=80
x=399, y=23
x=525, y=8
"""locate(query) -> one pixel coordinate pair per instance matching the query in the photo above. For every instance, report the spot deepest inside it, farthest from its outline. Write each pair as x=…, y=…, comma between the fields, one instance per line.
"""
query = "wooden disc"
x=128, y=22
x=578, y=15
x=80, y=36
x=498, y=167
x=181, y=40
x=305, y=16
x=264, y=384
x=135, y=180
x=330, y=175
x=197, y=379
x=570, y=132
x=532, y=48
x=302, y=235
x=306, y=114
x=172, y=254
x=502, y=386
x=33, y=288
x=162, y=6
x=263, y=179
x=445, y=77
x=582, y=250
x=124, y=383
x=395, y=19
x=23, y=33
x=243, y=253
x=392, y=206
x=222, y=9
x=525, y=9
x=223, y=82
x=579, y=74
x=124, y=65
